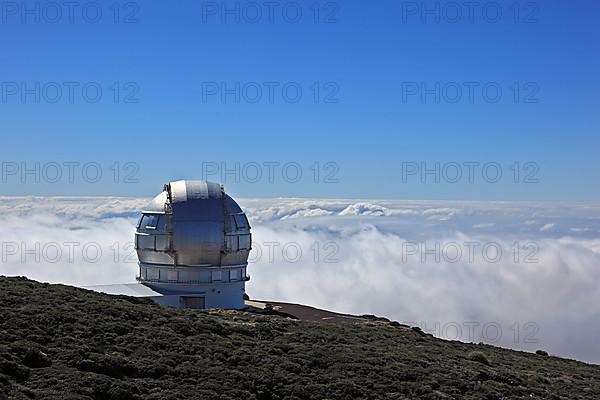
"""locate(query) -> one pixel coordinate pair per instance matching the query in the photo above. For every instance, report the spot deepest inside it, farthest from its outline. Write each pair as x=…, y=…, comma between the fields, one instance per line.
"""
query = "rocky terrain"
x=60, y=342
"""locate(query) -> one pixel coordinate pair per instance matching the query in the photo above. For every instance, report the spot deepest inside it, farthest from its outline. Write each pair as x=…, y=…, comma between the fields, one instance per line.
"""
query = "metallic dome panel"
x=193, y=224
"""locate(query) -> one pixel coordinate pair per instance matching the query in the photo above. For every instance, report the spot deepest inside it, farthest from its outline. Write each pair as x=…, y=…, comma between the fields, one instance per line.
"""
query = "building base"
x=230, y=296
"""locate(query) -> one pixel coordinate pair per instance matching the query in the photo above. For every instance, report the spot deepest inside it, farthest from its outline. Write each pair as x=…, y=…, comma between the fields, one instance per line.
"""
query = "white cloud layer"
x=429, y=263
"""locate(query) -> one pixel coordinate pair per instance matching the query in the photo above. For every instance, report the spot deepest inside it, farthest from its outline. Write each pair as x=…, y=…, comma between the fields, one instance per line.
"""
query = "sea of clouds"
x=514, y=274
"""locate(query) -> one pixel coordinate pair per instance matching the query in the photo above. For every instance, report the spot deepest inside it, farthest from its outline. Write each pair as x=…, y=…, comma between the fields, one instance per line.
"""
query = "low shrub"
x=479, y=357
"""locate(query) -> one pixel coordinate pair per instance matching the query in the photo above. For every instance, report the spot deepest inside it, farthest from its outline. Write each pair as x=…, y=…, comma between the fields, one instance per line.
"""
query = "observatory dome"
x=193, y=237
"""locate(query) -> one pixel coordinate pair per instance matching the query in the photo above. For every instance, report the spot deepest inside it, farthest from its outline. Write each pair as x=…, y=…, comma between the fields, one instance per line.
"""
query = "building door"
x=197, y=303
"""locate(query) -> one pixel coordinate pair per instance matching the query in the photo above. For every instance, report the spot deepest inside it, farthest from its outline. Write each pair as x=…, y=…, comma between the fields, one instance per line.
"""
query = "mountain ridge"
x=62, y=342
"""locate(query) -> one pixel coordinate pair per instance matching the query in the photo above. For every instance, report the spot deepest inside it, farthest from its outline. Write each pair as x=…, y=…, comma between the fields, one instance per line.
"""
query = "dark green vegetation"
x=59, y=342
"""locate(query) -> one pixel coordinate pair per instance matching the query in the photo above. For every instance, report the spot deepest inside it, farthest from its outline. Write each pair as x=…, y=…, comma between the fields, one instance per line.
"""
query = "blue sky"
x=363, y=61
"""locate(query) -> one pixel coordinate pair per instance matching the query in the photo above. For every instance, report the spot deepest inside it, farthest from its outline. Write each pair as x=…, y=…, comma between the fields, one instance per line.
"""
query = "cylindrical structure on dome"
x=193, y=242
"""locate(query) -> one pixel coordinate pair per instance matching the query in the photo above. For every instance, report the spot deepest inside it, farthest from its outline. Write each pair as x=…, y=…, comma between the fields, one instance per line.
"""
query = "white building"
x=192, y=242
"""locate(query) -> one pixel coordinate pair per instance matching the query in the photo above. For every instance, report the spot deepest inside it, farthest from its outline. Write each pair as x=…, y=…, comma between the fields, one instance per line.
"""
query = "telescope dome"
x=192, y=234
